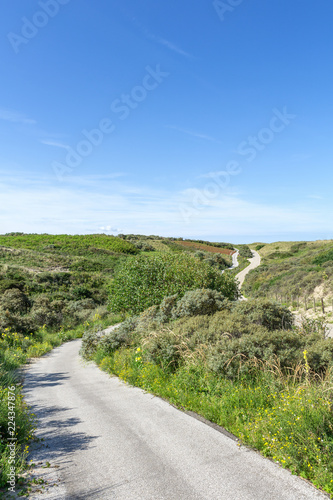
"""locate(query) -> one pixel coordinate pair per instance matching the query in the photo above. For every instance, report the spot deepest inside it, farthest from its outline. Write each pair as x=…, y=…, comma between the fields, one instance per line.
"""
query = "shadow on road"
x=33, y=380
x=57, y=434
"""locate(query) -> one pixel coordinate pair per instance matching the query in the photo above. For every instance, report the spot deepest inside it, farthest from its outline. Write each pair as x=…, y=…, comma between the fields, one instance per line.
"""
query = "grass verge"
x=288, y=419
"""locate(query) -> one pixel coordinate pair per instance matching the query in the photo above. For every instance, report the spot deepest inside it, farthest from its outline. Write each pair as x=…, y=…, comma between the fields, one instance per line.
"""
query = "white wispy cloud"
x=171, y=46
x=161, y=41
x=315, y=197
x=15, y=117
x=56, y=144
x=192, y=133
x=109, y=204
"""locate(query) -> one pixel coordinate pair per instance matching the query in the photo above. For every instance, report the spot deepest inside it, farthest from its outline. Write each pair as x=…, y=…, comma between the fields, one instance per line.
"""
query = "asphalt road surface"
x=106, y=440
x=254, y=262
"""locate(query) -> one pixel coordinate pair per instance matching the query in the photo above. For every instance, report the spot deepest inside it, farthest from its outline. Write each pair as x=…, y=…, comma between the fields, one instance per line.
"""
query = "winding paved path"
x=106, y=440
x=254, y=262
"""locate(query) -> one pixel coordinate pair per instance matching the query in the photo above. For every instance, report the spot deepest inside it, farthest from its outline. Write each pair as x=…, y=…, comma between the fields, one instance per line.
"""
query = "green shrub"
x=245, y=251
x=265, y=313
x=15, y=301
x=320, y=355
x=259, y=247
x=128, y=326
x=148, y=320
x=81, y=292
x=233, y=324
x=41, y=316
x=166, y=306
x=17, y=322
x=163, y=348
x=79, y=306
x=234, y=357
x=113, y=340
x=145, y=280
x=199, y=302
x=90, y=341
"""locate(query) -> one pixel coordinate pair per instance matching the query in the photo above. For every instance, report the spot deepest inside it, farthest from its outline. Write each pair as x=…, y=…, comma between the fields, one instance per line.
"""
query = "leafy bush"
x=199, y=302
x=81, y=292
x=166, y=306
x=234, y=357
x=45, y=316
x=143, y=245
x=259, y=247
x=162, y=348
x=90, y=341
x=233, y=324
x=320, y=355
x=265, y=313
x=128, y=326
x=17, y=322
x=145, y=280
x=245, y=251
x=15, y=301
x=113, y=341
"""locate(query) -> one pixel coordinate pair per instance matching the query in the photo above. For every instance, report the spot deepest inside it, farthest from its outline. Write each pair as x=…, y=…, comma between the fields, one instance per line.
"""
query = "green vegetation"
x=242, y=364
x=56, y=281
x=292, y=269
x=239, y=364
x=71, y=245
x=245, y=251
x=144, y=281
x=52, y=288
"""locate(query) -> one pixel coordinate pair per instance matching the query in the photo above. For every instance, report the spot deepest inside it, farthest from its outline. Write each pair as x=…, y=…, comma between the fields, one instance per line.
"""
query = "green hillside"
x=292, y=271
x=60, y=281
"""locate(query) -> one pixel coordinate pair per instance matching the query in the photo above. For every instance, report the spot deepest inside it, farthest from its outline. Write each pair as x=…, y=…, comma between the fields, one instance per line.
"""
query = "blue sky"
x=201, y=119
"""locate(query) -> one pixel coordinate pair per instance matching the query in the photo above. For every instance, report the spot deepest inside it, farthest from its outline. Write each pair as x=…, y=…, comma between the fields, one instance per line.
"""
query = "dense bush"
x=166, y=306
x=144, y=281
x=163, y=348
x=245, y=251
x=265, y=313
x=320, y=355
x=90, y=341
x=199, y=302
x=15, y=301
x=231, y=357
x=113, y=340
